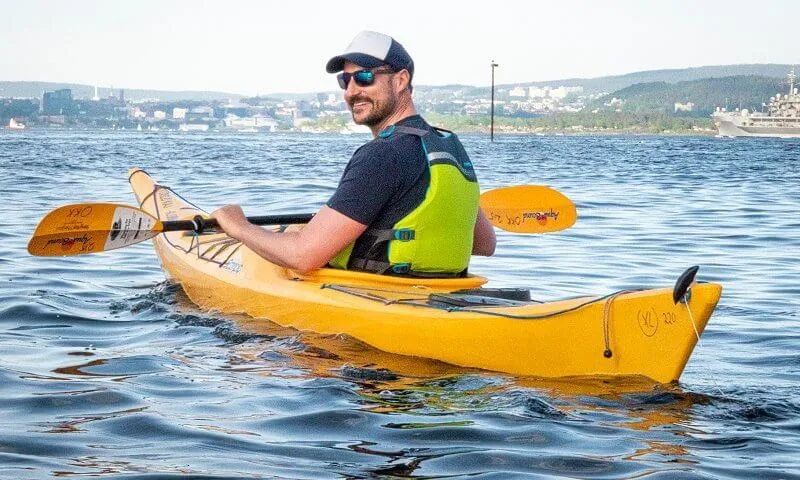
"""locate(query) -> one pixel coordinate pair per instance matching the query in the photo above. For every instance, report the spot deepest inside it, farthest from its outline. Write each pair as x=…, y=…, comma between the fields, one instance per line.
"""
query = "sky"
x=261, y=47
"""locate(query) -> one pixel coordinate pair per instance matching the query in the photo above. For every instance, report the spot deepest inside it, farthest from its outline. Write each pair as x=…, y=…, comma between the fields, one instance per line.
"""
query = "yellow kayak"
x=627, y=333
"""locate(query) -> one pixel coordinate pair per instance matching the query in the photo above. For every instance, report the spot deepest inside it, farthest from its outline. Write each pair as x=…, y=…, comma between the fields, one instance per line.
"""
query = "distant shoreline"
x=469, y=131
x=659, y=102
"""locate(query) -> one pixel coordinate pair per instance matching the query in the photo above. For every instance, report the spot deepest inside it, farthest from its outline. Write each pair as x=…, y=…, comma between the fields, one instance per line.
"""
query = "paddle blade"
x=528, y=209
x=91, y=227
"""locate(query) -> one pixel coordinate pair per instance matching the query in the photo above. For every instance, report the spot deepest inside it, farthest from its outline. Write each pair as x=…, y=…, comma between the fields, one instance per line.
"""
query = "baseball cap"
x=371, y=50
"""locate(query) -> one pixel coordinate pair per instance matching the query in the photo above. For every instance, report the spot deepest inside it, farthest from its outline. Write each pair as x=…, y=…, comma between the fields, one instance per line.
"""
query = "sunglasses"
x=363, y=78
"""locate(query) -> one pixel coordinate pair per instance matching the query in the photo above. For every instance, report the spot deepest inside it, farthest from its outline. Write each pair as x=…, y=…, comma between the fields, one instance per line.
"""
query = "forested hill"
x=617, y=82
x=740, y=91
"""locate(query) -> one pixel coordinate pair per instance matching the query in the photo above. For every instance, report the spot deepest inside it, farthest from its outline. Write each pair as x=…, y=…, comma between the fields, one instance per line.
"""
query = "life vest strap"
x=410, y=130
x=380, y=237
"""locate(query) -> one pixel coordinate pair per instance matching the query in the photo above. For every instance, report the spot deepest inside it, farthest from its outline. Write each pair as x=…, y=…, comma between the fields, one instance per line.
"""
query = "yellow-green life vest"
x=434, y=239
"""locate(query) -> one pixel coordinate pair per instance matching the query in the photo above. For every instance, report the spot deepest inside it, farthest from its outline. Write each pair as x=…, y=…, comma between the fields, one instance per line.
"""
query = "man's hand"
x=231, y=220
x=301, y=249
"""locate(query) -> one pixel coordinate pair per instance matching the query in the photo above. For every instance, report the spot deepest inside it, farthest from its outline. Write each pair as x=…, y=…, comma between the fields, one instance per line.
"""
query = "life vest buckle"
x=404, y=234
x=401, y=268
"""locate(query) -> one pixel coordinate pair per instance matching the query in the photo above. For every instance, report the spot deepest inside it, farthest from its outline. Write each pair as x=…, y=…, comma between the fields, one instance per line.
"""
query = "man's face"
x=370, y=104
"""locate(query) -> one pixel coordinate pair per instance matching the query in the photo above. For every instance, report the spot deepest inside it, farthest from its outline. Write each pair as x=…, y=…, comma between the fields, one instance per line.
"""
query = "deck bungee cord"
x=196, y=242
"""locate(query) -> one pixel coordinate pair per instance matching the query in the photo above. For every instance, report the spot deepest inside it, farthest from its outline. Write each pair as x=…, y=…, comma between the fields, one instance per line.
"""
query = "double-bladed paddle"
x=97, y=227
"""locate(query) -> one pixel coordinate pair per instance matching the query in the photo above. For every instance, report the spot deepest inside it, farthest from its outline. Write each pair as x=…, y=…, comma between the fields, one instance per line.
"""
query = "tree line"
x=742, y=91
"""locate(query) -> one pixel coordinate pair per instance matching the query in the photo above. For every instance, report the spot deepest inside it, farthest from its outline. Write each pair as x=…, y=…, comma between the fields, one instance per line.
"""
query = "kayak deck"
x=625, y=333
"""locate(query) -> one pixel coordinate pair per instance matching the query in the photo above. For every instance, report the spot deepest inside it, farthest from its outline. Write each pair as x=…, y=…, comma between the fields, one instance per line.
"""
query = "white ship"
x=782, y=119
x=15, y=125
x=193, y=127
x=256, y=123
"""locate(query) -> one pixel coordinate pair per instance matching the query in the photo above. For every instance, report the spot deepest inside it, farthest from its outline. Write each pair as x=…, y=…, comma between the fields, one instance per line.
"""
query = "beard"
x=374, y=112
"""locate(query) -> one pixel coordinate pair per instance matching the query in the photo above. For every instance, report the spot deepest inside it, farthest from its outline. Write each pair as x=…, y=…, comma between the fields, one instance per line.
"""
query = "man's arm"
x=308, y=249
x=484, y=240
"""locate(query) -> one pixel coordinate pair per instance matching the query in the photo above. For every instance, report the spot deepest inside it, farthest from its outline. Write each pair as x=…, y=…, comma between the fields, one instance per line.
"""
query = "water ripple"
x=109, y=370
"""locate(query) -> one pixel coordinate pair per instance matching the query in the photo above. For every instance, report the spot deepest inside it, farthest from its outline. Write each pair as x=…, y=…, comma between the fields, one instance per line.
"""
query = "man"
x=407, y=202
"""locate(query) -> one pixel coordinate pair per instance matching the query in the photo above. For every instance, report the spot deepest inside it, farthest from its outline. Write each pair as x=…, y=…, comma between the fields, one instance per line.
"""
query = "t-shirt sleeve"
x=369, y=181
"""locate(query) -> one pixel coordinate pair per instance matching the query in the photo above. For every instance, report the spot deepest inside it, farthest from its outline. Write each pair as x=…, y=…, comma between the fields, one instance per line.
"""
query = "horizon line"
x=275, y=93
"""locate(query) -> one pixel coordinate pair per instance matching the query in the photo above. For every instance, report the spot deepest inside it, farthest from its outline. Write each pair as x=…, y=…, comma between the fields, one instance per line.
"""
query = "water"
x=108, y=370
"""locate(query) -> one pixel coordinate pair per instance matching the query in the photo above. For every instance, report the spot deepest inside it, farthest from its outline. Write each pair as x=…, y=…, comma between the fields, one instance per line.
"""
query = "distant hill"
x=740, y=91
x=618, y=82
x=590, y=85
x=35, y=90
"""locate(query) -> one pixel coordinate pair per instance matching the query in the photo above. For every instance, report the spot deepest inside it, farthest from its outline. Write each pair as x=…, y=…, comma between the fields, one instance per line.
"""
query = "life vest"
x=434, y=239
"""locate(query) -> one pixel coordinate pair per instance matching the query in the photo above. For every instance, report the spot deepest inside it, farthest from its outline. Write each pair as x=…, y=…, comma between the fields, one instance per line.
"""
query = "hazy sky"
x=251, y=47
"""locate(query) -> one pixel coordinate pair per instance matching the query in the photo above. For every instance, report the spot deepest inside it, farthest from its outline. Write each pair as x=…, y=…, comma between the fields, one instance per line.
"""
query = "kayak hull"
x=630, y=333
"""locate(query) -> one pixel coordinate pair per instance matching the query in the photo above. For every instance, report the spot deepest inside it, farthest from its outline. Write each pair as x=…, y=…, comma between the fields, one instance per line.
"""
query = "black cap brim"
x=336, y=64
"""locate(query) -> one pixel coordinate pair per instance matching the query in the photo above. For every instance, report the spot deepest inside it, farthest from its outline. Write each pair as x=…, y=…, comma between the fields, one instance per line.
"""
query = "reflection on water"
x=109, y=370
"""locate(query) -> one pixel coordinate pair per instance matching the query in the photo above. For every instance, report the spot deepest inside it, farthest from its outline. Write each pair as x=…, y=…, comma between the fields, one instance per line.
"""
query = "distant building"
x=160, y=115
x=179, y=113
x=287, y=112
x=559, y=92
x=136, y=112
x=517, y=92
x=58, y=103
x=684, y=107
x=18, y=107
x=202, y=110
x=536, y=92
x=332, y=100
x=259, y=122
x=549, y=92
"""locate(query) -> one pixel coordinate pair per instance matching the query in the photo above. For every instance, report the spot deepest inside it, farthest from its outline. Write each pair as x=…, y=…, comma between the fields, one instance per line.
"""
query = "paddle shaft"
x=97, y=227
x=200, y=224
x=522, y=209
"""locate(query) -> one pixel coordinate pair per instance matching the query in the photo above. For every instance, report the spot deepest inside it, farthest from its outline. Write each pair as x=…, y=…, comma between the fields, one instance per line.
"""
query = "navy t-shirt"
x=384, y=181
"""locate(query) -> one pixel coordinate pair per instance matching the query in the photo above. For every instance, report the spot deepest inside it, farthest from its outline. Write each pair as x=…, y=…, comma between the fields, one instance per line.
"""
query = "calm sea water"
x=109, y=370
